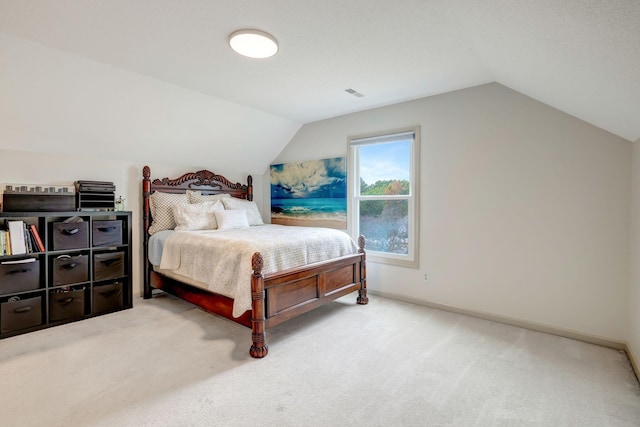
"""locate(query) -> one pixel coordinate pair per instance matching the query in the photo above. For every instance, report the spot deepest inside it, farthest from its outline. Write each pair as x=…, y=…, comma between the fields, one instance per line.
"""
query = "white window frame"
x=353, y=206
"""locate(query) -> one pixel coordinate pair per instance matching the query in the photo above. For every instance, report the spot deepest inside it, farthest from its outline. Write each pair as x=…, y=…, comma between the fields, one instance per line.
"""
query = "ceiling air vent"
x=354, y=93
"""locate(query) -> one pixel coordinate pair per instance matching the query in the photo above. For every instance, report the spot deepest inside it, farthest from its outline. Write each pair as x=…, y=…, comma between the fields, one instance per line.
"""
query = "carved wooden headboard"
x=204, y=181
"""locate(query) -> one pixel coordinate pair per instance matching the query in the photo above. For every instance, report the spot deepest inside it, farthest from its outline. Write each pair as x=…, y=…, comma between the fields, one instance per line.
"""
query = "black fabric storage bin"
x=66, y=305
x=108, y=265
x=107, y=297
x=107, y=233
x=18, y=276
x=70, y=269
x=72, y=235
x=22, y=314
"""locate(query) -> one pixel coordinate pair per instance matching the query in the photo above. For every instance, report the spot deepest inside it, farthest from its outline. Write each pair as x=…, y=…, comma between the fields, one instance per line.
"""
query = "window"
x=383, y=189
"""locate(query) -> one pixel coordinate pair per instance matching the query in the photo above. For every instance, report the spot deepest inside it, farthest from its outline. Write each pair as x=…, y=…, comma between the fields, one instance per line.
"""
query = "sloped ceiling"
x=59, y=103
x=580, y=56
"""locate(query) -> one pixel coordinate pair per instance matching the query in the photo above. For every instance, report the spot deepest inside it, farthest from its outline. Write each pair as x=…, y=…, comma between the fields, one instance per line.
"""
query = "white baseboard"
x=606, y=342
x=593, y=339
x=634, y=363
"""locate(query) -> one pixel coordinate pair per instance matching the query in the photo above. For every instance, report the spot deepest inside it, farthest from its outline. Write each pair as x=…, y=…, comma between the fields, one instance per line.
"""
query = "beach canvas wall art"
x=310, y=193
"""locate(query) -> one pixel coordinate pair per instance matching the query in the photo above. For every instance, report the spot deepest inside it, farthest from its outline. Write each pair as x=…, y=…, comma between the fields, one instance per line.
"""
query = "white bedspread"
x=222, y=259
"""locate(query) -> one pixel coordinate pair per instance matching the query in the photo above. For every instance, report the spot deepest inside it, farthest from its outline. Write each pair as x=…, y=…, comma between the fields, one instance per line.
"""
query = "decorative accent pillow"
x=253, y=214
x=198, y=197
x=161, y=212
x=230, y=219
x=197, y=217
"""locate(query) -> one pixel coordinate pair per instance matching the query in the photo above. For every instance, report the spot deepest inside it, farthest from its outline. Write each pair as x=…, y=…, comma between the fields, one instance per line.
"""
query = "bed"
x=269, y=294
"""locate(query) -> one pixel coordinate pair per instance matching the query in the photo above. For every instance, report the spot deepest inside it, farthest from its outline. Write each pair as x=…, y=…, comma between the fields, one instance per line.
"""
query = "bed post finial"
x=258, y=349
x=250, y=188
x=257, y=263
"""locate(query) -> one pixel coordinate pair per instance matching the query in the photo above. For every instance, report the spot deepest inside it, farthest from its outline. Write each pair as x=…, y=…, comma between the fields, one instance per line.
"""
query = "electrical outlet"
x=425, y=278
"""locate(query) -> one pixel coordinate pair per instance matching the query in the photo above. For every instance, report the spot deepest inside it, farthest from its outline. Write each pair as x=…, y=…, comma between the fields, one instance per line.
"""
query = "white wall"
x=634, y=287
x=525, y=210
x=39, y=168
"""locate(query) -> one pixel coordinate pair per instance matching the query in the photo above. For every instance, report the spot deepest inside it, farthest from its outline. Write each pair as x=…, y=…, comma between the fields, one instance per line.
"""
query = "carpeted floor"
x=166, y=363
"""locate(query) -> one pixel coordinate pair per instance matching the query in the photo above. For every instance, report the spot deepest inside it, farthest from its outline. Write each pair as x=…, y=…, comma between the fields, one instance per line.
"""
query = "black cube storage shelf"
x=85, y=270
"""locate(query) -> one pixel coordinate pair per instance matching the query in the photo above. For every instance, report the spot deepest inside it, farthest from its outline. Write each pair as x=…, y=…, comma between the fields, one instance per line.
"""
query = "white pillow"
x=231, y=219
x=197, y=217
x=198, y=197
x=253, y=214
x=160, y=205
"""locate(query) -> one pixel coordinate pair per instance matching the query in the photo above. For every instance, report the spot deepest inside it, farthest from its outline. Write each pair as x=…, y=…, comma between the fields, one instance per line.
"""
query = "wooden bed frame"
x=276, y=297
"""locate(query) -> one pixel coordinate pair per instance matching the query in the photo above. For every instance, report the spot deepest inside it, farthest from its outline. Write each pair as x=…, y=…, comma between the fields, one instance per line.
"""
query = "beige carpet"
x=165, y=363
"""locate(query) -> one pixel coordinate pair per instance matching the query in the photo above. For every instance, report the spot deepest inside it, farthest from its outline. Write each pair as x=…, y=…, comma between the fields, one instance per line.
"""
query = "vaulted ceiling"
x=580, y=56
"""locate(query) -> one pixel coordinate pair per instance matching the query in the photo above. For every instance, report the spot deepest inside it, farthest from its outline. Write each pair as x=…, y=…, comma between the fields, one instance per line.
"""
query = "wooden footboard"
x=279, y=296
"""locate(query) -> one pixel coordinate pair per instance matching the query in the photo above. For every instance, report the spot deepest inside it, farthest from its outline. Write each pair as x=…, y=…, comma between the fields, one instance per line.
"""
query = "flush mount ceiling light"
x=253, y=43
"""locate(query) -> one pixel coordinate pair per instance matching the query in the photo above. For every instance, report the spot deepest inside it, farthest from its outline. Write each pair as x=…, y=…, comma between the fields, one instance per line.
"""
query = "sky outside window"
x=386, y=161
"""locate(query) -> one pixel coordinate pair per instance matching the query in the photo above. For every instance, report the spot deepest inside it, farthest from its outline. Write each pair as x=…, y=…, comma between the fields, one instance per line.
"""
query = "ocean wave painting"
x=311, y=193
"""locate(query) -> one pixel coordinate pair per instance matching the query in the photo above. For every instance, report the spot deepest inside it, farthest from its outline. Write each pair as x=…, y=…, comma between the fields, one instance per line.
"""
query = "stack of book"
x=95, y=195
x=19, y=238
